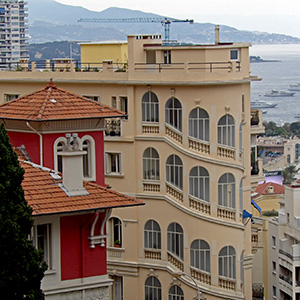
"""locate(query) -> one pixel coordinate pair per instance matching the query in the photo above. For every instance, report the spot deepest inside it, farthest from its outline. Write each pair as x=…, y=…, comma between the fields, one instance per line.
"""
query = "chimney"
x=270, y=189
x=217, y=34
x=72, y=167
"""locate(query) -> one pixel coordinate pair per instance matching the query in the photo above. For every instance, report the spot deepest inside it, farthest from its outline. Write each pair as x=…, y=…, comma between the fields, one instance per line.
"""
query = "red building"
x=56, y=131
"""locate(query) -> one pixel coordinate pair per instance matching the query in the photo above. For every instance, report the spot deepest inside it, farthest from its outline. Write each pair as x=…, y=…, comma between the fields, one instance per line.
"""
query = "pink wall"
x=78, y=260
x=32, y=145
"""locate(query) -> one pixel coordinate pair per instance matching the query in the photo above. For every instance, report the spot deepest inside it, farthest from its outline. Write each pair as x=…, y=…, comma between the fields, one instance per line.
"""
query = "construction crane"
x=166, y=22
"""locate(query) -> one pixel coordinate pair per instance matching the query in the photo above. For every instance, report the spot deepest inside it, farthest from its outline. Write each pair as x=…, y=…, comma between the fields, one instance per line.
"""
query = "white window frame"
x=175, y=242
x=92, y=97
x=150, y=108
x=175, y=293
x=47, y=255
x=91, y=152
x=56, y=150
x=199, y=125
x=7, y=97
x=173, y=114
x=109, y=156
x=227, y=262
x=151, y=167
x=174, y=171
x=115, y=231
x=226, y=191
x=226, y=132
x=152, y=287
x=117, y=288
x=199, y=183
x=152, y=235
x=200, y=255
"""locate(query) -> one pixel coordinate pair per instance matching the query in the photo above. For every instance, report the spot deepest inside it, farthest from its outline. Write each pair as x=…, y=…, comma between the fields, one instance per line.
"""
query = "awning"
x=246, y=214
x=255, y=205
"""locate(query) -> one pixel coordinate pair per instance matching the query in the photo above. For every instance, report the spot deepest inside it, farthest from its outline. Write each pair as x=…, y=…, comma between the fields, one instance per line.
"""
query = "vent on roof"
x=53, y=100
x=270, y=189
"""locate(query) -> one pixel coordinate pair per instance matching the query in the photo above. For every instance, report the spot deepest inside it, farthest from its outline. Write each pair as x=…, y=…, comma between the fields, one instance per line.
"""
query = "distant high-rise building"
x=13, y=33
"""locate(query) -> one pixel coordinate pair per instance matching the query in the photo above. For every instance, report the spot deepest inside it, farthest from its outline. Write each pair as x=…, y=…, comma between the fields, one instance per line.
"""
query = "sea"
x=278, y=75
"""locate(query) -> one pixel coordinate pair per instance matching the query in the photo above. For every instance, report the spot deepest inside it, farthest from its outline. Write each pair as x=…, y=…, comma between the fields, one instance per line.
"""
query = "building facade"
x=284, y=250
x=54, y=129
x=13, y=33
x=185, y=150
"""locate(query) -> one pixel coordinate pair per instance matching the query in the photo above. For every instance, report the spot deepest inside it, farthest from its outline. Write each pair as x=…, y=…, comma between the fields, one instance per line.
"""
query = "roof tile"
x=53, y=103
x=44, y=195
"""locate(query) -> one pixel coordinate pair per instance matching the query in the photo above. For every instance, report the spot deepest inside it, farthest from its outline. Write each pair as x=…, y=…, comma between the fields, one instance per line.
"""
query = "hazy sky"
x=274, y=16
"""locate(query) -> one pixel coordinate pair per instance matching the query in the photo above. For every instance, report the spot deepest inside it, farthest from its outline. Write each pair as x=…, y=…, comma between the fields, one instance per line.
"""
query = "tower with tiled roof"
x=40, y=120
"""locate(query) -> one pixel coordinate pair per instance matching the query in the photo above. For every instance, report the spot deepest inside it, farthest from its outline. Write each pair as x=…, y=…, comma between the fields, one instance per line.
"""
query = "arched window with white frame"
x=199, y=124
x=152, y=289
x=227, y=262
x=150, y=107
x=152, y=235
x=175, y=293
x=175, y=240
x=200, y=255
x=150, y=164
x=226, y=131
x=174, y=171
x=58, y=146
x=226, y=190
x=199, y=183
x=173, y=113
x=89, y=159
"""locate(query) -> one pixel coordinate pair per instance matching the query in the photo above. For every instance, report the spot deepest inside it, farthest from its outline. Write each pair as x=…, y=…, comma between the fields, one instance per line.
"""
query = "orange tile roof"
x=262, y=189
x=44, y=195
x=53, y=103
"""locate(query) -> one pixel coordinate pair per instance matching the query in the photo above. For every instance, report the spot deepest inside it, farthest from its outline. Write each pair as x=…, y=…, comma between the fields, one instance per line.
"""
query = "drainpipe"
x=41, y=142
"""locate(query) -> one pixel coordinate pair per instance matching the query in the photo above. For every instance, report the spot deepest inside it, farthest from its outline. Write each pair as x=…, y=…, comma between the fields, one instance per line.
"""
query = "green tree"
x=289, y=174
x=21, y=266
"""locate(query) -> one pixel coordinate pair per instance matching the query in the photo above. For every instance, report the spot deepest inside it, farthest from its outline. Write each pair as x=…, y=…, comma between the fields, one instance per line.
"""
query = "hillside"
x=51, y=21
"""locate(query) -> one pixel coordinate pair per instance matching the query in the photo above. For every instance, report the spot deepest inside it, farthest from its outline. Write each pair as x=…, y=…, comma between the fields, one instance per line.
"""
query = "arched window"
x=200, y=255
x=226, y=130
x=199, y=124
x=150, y=107
x=115, y=232
x=88, y=159
x=152, y=289
x=59, y=148
x=174, y=170
x=174, y=113
x=175, y=240
x=199, y=183
x=176, y=293
x=226, y=190
x=152, y=235
x=227, y=262
x=241, y=136
x=150, y=164
x=85, y=143
x=241, y=195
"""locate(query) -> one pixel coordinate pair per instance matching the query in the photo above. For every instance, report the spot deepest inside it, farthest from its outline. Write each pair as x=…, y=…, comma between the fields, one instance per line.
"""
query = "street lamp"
x=178, y=274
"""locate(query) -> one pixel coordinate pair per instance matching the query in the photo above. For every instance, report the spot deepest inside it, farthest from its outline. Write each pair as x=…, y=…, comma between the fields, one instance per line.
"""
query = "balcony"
x=199, y=205
x=257, y=121
x=227, y=283
x=152, y=254
x=201, y=276
x=175, y=261
x=113, y=127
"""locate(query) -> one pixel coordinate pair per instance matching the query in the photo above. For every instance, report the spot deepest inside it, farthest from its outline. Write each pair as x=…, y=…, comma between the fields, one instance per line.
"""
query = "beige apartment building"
x=185, y=150
x=284, y=249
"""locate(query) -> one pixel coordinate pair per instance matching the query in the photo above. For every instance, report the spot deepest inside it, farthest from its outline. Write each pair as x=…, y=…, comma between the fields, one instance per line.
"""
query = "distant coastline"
x=258, y=59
